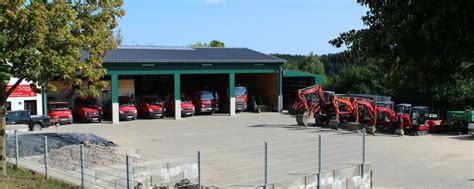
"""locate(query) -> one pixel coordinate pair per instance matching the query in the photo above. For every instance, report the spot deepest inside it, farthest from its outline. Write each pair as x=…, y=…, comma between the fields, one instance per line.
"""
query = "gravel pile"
x=68, y=157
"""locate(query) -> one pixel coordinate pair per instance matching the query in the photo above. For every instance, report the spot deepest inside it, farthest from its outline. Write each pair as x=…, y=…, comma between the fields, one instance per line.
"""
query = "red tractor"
x=87, y=110
x=308, y=103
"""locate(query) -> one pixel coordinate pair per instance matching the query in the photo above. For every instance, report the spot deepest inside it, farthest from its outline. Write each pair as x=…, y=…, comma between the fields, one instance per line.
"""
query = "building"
x=24, y=98
x=170, y=71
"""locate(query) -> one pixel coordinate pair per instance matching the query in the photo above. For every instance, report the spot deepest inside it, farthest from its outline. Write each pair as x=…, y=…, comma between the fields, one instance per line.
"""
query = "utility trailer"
x=463, y=121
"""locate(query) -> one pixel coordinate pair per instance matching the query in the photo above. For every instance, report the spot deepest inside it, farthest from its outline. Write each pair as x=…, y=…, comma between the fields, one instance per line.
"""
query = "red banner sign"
x=22, y=91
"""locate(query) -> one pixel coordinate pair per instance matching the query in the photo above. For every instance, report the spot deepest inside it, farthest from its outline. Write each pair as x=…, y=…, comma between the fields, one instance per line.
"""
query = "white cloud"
x=213, y=2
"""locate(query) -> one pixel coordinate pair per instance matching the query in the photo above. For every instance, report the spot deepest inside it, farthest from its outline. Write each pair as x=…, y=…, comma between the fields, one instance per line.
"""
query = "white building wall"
x=18, y=103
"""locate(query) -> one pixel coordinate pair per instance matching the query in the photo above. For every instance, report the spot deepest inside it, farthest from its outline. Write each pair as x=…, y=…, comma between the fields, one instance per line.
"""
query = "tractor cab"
x=419, y=114
x=387, y=104
x=403, y=108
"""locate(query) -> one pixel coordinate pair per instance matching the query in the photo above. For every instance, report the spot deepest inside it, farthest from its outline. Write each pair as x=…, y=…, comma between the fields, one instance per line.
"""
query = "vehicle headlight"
x=150, y=110
x=135, y=111
x=193, y=108
x=203, y=105
x=70, y=116
x=121, y=111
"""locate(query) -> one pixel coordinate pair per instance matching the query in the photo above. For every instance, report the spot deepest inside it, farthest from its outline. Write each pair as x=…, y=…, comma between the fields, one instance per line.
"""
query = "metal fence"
x=247, y=166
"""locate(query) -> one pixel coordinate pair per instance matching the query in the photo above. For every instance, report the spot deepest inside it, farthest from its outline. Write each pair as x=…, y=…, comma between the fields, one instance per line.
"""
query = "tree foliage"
x=310, y=63
x=425, y=47
x=213, y=43
x=42, y=41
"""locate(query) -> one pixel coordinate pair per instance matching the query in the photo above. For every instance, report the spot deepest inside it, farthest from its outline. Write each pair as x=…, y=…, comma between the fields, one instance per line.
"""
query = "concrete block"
x=327, y=178
x=367, y=167
x=339, y=184
x=353, y=182
x=293, y=184
x=349, y=172
x=312, y=182
x=351, y=126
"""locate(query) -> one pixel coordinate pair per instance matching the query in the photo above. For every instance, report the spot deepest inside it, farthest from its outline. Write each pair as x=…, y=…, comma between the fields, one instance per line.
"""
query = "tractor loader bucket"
x=302, y=119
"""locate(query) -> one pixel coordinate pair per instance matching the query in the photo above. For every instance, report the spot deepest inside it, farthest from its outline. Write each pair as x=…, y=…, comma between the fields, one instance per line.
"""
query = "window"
x=9, y=106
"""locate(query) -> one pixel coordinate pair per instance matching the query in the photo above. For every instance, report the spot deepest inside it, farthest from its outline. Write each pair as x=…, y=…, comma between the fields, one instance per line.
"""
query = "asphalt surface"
x=430, y=161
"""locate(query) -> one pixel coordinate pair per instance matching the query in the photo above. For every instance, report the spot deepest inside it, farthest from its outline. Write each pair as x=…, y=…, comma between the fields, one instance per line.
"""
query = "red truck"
x=127, y=109
x=59, y=113
x=150, y=106
x=87, y=110
x=187, y=107
x=241, y=99
x=205, y=101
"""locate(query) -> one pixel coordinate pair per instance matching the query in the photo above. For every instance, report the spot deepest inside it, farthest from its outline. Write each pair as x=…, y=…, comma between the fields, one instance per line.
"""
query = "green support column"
x=279, y=88
x=177, y=96
x=232, y=94
x=115, y=105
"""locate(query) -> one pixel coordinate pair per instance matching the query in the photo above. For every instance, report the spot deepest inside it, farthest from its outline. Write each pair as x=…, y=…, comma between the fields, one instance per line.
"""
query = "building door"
x=31, y=105
x=9, y=106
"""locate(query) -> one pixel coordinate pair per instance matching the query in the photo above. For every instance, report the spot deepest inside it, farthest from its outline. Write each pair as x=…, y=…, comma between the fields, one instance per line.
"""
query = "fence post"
x=320, y=161
x=199, y=168
x=17, y=151
x=82, y=165
x=46, y=156
x=266, y=166
x=128, y=170
x=363, y=152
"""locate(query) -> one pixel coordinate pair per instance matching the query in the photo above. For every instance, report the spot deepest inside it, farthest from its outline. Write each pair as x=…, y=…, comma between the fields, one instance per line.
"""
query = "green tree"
x=310, y=63
x=42, y=41
x=213, y=43
x=426, y=46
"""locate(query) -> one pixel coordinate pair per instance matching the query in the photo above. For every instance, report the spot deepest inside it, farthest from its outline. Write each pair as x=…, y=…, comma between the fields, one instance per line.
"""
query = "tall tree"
x=213, y=43
x=42, y=41
x=426, y=46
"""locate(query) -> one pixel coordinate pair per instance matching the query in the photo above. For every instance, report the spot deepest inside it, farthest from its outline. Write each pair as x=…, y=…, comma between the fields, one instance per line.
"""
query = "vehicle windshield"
x=420, y=111
x=91, y=103
x=403, y=109
x=125, y=101
x=207, y=96
x=58, y=106
x=152, y=100
x=343, y=107
x=185, y=98
x=240, y=91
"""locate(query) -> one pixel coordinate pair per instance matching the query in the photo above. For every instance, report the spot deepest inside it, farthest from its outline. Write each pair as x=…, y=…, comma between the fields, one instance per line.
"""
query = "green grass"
x=22, y=178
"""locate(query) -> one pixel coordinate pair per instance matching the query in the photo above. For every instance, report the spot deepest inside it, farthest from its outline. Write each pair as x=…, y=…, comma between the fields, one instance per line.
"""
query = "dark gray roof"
x=148, y=54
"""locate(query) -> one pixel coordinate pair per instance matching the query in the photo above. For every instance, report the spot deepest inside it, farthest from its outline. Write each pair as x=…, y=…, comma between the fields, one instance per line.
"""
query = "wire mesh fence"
x=258, y=165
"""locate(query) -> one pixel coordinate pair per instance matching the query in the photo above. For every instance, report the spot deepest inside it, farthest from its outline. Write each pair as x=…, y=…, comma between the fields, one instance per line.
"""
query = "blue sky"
x=269, y=26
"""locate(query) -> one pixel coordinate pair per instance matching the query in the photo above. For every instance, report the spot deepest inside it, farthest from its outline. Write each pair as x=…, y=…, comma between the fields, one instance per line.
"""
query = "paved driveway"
x=433, y=161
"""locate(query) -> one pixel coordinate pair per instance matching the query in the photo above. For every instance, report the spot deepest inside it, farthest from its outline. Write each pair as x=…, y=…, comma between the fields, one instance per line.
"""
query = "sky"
x=268, y=26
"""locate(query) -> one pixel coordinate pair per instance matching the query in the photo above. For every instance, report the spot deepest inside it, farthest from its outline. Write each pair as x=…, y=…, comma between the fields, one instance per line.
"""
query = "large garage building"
x=171, y=71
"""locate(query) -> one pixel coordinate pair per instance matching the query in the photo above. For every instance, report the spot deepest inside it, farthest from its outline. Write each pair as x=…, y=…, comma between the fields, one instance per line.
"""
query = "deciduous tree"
x=42, y=41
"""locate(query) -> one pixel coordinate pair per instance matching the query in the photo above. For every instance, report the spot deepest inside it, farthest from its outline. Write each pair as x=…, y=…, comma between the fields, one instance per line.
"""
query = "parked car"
x=127, y=109
x=59, y=113
x=205, y=101
x=87, y=110
x=35, y=122
x=187, y=107
x=150, y=106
